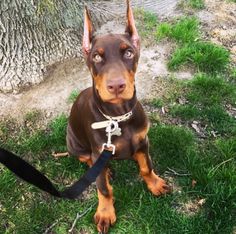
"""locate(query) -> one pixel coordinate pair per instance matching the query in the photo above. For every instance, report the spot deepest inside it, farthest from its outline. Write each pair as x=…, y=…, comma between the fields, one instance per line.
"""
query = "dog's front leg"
x=105, y=214
x=154, y=183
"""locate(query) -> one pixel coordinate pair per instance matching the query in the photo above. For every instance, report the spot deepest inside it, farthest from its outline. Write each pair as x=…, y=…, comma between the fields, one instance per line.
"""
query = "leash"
x=31, y=175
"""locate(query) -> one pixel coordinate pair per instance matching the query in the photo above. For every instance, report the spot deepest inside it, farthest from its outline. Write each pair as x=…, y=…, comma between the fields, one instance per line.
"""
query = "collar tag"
x=99, y=125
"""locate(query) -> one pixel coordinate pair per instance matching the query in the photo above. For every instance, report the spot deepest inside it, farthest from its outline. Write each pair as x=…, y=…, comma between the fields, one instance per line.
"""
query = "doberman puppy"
x=112, y=60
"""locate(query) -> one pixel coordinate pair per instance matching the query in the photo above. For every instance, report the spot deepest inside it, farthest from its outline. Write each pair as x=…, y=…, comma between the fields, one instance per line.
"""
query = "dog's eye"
x=97, y=58
x=128, y=54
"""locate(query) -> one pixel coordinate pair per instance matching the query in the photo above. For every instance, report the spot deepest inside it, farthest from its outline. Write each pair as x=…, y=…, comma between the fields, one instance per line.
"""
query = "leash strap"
x=31, y=175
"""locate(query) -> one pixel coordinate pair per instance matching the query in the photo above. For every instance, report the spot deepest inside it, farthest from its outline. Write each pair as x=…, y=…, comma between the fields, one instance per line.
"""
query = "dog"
x=112, y=60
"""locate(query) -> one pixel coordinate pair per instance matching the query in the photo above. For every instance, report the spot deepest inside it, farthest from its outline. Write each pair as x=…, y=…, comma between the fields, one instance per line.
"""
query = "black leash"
x=31, y=175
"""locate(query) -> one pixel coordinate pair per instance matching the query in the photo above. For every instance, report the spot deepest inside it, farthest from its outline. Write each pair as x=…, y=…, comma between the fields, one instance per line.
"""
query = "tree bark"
x=34, y=34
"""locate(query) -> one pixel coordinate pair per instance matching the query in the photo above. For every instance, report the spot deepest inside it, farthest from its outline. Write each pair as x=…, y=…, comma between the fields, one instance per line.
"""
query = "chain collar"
x=119, y=118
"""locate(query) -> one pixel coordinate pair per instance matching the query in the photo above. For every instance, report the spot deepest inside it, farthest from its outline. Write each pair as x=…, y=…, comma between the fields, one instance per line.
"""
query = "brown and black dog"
x=112, y=60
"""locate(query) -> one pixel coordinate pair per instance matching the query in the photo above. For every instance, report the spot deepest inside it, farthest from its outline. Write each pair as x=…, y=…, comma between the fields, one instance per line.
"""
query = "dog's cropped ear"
x=88, y=32
x=130, y=27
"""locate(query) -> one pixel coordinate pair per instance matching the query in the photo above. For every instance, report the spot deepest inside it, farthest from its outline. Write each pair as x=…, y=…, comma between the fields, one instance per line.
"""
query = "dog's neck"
x=111, y=109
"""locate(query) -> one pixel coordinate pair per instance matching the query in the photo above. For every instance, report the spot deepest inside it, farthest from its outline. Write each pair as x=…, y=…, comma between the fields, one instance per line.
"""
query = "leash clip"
x=106, y=145
x=111, y=129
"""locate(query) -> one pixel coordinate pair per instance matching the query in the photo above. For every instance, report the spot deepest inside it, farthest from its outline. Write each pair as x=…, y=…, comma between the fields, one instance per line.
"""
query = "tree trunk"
x=34, y=34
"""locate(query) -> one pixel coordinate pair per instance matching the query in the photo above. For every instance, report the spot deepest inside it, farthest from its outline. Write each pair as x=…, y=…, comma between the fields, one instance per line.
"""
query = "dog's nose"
x=116, y=86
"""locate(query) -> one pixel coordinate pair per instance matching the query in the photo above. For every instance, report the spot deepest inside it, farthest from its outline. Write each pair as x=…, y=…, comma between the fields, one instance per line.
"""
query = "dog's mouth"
x=113, y=99
x=116, y=100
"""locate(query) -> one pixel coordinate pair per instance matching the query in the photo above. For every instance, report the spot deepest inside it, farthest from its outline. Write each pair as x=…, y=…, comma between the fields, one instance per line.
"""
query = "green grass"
x=170, y=145
x=211, y=161
x=196, y=4
x=211, y=167
x=185, y=30
x=157, y=102
x=146, y=23
x=210, y=90
x=74, y=94
x=191, y=5
x=210, y=164
x=205, y=56
x=138, y=211
x=28, y=140
x=233, y=74
x=163, y=30
x=214, y=118
x=206, y=98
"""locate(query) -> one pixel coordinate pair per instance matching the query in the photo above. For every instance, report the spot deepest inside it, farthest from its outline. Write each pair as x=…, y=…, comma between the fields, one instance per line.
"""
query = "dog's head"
x=112, y=60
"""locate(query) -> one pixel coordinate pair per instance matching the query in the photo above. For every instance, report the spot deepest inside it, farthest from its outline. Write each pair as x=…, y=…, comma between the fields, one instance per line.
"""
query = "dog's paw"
x=104, y=217
x=156, y=185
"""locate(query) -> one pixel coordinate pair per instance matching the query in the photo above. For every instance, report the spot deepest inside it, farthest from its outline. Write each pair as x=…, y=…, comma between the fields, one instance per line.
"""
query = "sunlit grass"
x=205, y=56
x=185, y=30
x=192, y=51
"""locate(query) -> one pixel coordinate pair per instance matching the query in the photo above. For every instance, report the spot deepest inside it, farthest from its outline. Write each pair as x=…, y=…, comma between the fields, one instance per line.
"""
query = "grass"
x=213, y=118
x=137, y=210
x=157, y=102
x=74, y=94
x=185, y=30
x=146, y=19
x=233, y=74
x=196, y=4
x=206, y=98
x=205, y=56
x=146, y=23
x=191, y=5
x=201, y=169
x=170, y=144
x=211, y=90
x=27, y=139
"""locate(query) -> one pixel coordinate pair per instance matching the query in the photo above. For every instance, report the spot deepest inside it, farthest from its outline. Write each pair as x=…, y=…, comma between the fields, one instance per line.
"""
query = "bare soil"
x=51, y=96
x=219, y=23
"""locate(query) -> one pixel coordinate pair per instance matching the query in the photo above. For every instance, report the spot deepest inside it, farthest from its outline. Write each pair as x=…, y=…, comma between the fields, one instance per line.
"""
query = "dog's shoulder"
x=84, y=102
x=84, y=96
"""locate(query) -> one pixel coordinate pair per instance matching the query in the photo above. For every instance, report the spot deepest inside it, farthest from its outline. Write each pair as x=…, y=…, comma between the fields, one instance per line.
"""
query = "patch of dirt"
x=234, y=230
x=219, y=23
x=190, y=207
x=50, y=96
x=172, y=182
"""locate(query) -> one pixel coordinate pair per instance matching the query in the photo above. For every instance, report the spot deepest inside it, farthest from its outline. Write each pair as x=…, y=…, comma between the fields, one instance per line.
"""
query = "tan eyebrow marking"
x=123, y=46
x=100, y=50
